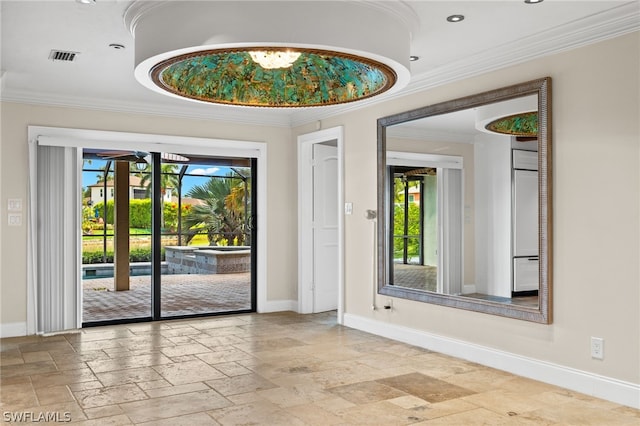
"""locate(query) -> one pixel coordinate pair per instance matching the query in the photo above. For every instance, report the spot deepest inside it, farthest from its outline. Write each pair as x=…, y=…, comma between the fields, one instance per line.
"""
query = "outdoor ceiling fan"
x=141, y=158
x=425, y=171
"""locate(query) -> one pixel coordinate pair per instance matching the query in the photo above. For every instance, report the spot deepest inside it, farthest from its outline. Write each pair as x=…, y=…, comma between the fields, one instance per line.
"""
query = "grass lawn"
x=140, y=238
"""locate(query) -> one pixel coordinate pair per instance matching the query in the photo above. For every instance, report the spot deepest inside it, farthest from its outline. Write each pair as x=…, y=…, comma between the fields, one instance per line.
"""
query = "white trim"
x=13, y=329
x=608, y=388
x=305, y=145
x=32, y=247
x=239, y=115
x=401, y=158
x=56, y=136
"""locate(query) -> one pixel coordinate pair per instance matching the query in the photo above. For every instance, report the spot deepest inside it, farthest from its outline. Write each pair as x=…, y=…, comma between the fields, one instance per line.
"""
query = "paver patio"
x=180, y=294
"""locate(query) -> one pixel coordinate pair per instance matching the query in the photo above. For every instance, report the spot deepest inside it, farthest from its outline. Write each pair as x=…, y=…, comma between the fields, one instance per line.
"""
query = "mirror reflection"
x=461, y=206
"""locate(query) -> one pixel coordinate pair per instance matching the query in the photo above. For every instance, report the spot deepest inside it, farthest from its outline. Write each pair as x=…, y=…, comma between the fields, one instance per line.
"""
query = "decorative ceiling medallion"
x=231, y=77
x=522, y=124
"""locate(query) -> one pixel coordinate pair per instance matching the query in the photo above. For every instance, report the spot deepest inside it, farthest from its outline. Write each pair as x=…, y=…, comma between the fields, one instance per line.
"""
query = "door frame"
x=305, y=215
x=82, y=138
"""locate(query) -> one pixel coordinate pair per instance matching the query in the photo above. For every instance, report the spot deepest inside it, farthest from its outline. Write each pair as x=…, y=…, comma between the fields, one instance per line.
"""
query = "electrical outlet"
x=597, y=348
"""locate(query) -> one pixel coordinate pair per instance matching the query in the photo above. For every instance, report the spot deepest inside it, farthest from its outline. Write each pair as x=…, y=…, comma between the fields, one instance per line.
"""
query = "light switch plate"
x=348, y=208
x=15, y=219
x=14, y=204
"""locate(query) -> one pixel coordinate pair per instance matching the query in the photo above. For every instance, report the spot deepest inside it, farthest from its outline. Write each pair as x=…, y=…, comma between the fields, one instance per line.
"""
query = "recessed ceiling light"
x=86, y=1
x=116, y=46
x=414, y=58
x=533, y=1
x=455, y=18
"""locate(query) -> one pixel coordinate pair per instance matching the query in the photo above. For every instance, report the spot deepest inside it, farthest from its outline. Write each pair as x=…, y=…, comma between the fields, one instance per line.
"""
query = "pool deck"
x=182, y=294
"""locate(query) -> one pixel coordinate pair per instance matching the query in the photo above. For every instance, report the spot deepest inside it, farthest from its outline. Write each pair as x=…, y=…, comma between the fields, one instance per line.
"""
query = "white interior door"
x=325, y=227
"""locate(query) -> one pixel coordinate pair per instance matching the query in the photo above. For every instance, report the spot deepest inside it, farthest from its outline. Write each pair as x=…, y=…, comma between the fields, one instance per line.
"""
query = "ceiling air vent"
x=62, y=55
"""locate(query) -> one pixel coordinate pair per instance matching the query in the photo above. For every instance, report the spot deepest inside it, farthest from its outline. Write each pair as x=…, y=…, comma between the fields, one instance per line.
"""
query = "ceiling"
x=494, y=34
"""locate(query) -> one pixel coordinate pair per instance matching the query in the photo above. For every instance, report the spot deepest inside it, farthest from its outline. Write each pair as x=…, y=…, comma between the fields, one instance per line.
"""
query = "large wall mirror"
x=464, y=202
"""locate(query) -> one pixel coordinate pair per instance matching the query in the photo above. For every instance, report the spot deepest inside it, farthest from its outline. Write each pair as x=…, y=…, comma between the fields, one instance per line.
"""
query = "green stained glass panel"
x=314, y=79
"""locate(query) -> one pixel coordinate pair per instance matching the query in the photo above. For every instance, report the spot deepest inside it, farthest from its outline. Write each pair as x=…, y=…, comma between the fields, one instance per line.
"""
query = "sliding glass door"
x=166, y=235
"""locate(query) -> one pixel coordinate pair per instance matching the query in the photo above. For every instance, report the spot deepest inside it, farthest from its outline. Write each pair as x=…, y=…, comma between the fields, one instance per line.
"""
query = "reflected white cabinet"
x=525, y=221
x=525, y=273
x=525, y=160
x=525, y=213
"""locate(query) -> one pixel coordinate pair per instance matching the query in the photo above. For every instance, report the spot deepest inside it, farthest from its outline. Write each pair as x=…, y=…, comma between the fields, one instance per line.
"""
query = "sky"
x=91, y=177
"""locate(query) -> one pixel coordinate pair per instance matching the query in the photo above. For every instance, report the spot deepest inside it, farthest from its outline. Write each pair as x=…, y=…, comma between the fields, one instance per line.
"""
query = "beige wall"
x=281, y=190
x=596, y=184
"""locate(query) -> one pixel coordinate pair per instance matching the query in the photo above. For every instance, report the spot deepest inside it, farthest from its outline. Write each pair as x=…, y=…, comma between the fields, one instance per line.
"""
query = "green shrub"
x=135, y=255
x=100, y=227
x=140, y=213
x=90, y=257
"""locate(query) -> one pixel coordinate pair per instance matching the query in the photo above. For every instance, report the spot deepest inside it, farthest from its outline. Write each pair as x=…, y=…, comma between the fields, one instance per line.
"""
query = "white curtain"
x=452, y=205
x=53, y=287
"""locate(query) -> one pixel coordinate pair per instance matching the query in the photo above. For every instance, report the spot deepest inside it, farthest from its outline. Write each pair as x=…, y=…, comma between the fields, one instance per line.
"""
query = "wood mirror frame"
x=543, y=312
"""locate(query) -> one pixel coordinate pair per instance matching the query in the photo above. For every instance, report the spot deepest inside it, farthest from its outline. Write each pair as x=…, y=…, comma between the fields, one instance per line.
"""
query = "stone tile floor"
x=415, y=276
x=270, y=369
x=182, y=294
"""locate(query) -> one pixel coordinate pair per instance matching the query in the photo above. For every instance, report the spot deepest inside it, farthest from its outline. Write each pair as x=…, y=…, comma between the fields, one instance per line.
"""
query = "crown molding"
x=595, y=28
x=234, y=114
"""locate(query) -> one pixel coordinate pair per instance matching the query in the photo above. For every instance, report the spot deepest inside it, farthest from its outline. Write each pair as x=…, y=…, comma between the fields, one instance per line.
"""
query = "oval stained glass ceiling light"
x=200, y=51
x=522, y=124
x=306, y=78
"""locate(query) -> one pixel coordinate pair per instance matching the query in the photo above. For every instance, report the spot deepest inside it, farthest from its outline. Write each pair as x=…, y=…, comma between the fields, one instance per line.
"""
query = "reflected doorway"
x=415, y=227
x=190, y=236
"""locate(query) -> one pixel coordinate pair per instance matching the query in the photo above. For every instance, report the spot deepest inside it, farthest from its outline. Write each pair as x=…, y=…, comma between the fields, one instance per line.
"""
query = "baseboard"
x=279, y=306
x=13, y=329
x=614, y=390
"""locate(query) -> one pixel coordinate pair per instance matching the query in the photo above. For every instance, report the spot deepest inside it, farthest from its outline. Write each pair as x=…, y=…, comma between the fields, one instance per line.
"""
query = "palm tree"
x=168, y=178
x=223, y=214
x=100, y=177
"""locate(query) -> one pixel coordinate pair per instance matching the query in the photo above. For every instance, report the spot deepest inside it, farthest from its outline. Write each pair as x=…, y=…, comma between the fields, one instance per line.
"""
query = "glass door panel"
x=116, y=255
x=206, y=236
